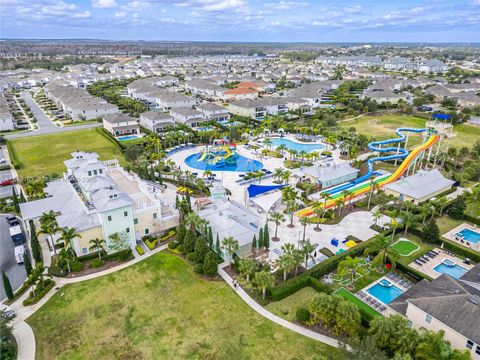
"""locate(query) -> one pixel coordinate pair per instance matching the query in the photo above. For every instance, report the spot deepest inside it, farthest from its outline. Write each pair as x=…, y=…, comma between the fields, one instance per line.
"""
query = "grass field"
x=160, y=309
x=446, y=223
x=288, y=307
x=44, y=154
x=383, y=127
x=405, y=247
x=347, y=295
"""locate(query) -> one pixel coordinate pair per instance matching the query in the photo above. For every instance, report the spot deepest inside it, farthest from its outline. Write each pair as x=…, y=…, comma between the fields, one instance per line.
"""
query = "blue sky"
x=244, y=20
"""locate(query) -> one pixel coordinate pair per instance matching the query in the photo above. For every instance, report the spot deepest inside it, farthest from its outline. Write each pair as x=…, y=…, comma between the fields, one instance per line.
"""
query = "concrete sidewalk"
x=267, y=314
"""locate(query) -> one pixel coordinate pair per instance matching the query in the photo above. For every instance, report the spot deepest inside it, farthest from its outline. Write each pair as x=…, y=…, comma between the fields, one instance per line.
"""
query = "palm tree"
x=325, y=196
x=193, y=220
x=286, y=263
x=408, y=219
x=207, y=173
x=49, y=228
x=393, y=225
x=268, y=143
x=277, y=173
x=307, y=250
x=373, y=186
x=441, y=203
x=286, y=176
x=48, y=217
x=383, y=249
x=339, y=204
x=263, y=280
x=291, y=206
x=377, y=214
x=230, y=245
x=67, y=235
x=427, y=210
x=97, y=245
x=281, y=148
x=351, y=266
x=277, y=218
x=247, y=267
x=304, y=221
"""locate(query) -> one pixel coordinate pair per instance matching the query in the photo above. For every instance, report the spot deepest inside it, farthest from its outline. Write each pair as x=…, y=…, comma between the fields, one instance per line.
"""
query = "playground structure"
x=220, y=154
x=377, y=179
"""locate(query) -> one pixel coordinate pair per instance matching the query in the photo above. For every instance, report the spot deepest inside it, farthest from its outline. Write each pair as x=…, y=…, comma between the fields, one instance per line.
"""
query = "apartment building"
x=99, y=199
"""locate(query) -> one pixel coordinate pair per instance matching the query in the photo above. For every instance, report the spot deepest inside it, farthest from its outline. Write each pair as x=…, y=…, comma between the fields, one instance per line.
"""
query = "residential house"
x=444, y=304
x=213, y=111
x=6, y=118
x=156, y=121
x=171, y=100
x=188, y=116
x=121, y=124
x=254, y=109
x=240, y=94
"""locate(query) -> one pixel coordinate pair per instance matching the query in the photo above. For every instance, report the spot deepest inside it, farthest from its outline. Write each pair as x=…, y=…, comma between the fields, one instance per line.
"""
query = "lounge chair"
x=418, y=263
x=383, y=308
x=368, y=299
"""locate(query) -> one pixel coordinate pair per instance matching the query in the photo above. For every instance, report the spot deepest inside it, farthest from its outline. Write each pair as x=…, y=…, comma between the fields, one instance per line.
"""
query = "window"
x=84, y=250
x=154, y=215
x=470, y=344
x=125, y=213
x=89, y=173
x=477, y=350
x=135, y=221
x=109, y=218
x=100, y=171
x=147, y=231
x=428, y=318
x=94, y=172
x=127, y=230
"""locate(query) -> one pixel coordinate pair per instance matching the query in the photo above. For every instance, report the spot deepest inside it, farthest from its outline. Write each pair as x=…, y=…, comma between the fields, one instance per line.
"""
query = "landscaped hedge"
x=472, y=220
x=460, y=250
x=291, y=286
x=39, y=294
x=327, y=252
x=139, y=250
x=111, y=138
x=124, y=255
x=412, y=272
x=90, y=256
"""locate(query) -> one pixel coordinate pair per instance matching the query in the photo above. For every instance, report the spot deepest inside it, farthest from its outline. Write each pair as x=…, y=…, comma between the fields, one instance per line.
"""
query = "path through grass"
x=160, y=309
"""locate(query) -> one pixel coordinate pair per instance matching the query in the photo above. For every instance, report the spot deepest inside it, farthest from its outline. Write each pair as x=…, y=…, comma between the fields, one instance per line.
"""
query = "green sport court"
x=405, y=247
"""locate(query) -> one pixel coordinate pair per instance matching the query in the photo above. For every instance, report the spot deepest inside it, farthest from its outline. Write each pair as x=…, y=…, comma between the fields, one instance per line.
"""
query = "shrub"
x=168, y=235
x=173, y=245
x=140, y=250
x=39, y=293
x=327, y=252
x=198, y=268
x=96, y=263
x=123, y=255
x=151, y=244
x=180, y=248
x=303, y=315
x=191, y=257
x=76, y=266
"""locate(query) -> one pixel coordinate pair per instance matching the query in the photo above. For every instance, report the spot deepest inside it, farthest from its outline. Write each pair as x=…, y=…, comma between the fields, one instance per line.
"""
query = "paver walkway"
x=267, y=314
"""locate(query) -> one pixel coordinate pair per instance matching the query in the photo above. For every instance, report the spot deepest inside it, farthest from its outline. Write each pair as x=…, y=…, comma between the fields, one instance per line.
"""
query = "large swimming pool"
x=242, y=164
x=292, y=145
x=454, y=270
x=469, y=235
x=385, y=291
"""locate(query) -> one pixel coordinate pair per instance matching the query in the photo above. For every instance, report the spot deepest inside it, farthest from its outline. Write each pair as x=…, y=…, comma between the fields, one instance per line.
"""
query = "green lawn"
x=347, y=295
x=44, y=154
x=160, y=309
x=405, y=247
x=383, y=127
x=288, y=307
x=446, y=223
x=415, y=242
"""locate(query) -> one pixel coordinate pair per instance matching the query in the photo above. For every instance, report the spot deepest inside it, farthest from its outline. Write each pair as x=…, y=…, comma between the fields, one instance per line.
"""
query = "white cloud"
x=104, y=3
x=58, y=8
x=120, y=14
x=353, y=8
x=82, y=15
x=213, y=5
x=286, y=5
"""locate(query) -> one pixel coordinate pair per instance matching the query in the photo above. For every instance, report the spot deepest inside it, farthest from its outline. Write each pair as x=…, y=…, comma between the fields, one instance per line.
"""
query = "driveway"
x=5, y=191
x=54, y=130
x=16, y=272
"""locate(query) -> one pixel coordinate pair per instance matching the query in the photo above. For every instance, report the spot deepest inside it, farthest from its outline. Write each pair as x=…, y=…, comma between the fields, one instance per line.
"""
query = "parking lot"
x=5, y=191
x=16, y=272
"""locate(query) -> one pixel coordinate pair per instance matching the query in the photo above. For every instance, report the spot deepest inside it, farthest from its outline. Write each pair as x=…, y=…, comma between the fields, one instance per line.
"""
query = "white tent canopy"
x=266, y=201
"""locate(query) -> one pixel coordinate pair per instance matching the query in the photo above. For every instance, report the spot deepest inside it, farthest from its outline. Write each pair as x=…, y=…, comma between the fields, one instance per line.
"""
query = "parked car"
x=12, y=220
x=17, y=236
x=6, y=182
x=19, y=253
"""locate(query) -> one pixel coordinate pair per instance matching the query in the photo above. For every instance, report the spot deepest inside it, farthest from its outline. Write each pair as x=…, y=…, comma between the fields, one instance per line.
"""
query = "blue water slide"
x=377, y=146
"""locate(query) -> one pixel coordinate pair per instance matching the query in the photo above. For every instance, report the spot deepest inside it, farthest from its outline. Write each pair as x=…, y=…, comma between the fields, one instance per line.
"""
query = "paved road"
x=42, y=119
x=16, y=272
x=54, y=130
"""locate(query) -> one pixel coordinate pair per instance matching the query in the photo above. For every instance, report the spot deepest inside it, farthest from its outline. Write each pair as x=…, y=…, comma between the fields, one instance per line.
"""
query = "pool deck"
x=451, y=235
x=427, y=268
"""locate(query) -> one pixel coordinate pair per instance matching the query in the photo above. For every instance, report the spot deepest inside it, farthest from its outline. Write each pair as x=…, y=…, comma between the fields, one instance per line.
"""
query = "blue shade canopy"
x=254, y=190
x=442, y=116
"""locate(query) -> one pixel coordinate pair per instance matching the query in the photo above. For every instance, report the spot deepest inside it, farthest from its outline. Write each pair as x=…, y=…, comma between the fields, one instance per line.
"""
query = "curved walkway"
x=23, y=332
x=272, y=317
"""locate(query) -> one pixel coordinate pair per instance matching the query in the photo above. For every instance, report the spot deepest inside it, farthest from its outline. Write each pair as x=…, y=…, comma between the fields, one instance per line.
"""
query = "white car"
x=19, y=253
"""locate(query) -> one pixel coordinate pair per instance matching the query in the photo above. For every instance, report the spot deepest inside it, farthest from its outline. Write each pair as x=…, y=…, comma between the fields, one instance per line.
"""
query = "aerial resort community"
x=189, y=200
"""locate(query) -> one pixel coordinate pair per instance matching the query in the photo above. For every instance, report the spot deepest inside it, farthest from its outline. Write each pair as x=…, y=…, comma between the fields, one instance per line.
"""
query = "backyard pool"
x=450, y=268
x=242, y=164
x=385, y=291
x=292, y=145
x=469, y=235
x=127, y=137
